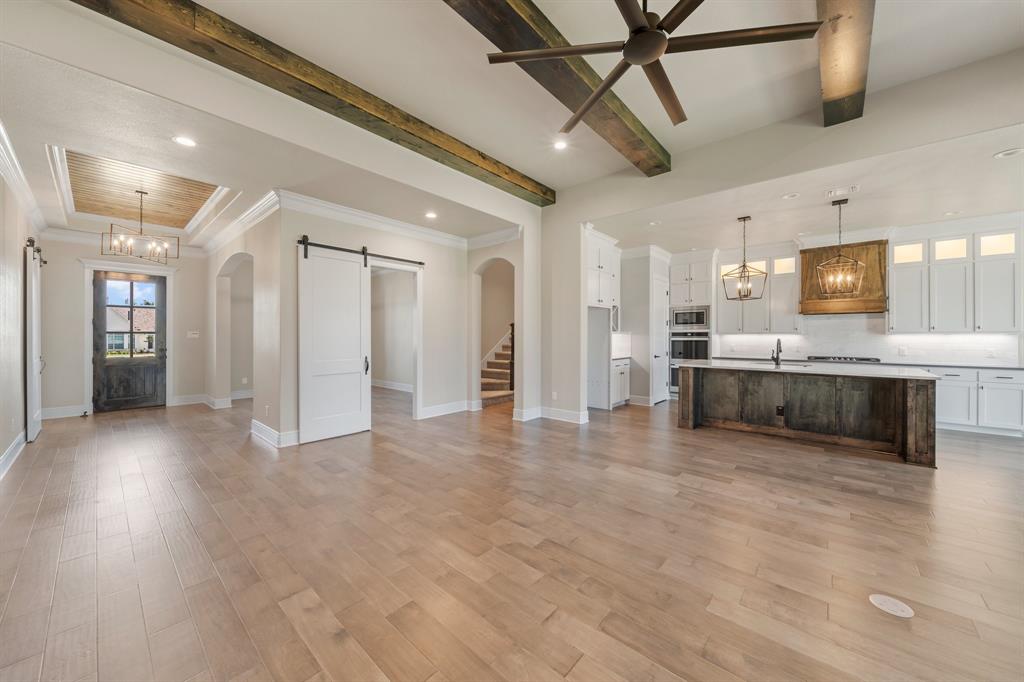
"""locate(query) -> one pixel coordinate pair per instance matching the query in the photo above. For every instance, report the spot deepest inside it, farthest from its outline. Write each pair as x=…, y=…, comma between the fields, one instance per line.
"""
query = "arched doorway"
x=496, y=348
x=234, y=371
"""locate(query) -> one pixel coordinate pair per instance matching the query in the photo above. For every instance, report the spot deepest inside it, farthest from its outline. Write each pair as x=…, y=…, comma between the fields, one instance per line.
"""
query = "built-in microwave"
x=692, y=318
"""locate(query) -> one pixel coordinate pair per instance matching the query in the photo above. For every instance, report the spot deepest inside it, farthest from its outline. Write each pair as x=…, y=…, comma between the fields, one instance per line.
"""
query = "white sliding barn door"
x=33, y=346
x=334, y=344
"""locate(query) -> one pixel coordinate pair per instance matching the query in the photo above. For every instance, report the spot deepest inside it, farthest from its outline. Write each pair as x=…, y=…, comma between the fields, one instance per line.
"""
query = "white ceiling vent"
x=842, y=191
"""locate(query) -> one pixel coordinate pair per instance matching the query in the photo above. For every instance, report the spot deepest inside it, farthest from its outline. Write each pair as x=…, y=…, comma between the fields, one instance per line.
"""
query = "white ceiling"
x=49, y=103
x=911, y=187
x=424, y=58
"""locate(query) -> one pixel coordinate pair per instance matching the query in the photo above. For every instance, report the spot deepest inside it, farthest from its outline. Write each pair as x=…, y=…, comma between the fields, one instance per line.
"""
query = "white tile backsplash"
x=864, y=336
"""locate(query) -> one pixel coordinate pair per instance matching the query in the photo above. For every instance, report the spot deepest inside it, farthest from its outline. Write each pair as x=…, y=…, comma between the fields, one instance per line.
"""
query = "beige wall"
x=444, y=304
x=241, y=328
x=392, y=308
x=497, y=304
x=263, y=243
x=12, y=240
x=64, y=314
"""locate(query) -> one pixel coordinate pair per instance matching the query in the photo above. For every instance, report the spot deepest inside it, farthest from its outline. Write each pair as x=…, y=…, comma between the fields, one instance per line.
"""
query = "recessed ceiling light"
x=430, y=215
x=184, y=141
x=1009, y=153
x=560, y=144
x=791, y=195
x=950, y=214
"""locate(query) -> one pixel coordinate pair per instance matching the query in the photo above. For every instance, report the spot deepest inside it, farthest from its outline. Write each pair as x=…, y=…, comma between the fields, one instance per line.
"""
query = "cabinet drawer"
x=954, y=373
x=1002, y=376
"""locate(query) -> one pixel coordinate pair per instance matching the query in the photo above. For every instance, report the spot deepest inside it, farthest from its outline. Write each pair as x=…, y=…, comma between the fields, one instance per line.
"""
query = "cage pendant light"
x=130, y=241
x=744, y=283
x=840, y=275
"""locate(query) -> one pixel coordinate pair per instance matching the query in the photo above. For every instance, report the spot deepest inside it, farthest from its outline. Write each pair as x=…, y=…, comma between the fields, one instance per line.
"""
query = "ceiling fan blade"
x=743, y=36
x=666, y=93
x=678, y=14
x=843, y=51
x=555, y=52
x=631, y=12
x=599, y=91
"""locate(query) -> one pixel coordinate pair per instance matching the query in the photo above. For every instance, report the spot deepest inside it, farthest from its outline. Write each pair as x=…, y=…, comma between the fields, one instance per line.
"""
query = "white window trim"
x=90, y=266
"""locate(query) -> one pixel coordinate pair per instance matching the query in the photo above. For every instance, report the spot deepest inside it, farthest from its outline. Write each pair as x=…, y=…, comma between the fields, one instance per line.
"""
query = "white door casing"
x=33, y=346
x=334, y=344
x=659, y=341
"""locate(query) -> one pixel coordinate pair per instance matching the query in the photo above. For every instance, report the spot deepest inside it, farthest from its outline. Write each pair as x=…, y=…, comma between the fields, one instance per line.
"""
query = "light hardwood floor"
x=167, y=544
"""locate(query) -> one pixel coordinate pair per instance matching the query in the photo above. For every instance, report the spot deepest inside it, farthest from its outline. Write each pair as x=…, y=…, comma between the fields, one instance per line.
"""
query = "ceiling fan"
x=648, y=40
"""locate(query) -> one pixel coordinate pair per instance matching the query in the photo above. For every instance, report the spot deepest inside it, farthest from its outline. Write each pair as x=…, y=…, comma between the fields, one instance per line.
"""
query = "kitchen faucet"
x=777, y=353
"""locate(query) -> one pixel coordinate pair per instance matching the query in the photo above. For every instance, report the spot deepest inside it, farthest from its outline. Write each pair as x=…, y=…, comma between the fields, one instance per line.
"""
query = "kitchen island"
x=878, y=408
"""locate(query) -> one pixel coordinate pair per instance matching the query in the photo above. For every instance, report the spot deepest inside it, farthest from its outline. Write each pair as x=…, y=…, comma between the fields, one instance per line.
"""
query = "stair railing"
x=512, y=360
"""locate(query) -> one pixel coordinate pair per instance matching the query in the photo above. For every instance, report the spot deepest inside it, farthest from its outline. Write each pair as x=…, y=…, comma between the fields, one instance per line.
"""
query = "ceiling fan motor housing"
x=644, y=47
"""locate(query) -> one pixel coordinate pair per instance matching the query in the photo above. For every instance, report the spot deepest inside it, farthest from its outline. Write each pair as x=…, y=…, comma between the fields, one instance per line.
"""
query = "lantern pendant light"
x=840, y=275
x=744, y=283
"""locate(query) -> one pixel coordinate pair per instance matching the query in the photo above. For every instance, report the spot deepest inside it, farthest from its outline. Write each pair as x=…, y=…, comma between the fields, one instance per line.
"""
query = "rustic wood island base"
x=883, y=410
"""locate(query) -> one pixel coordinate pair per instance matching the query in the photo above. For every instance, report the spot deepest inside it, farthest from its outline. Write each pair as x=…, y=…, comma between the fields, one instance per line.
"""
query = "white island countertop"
x=851, y=369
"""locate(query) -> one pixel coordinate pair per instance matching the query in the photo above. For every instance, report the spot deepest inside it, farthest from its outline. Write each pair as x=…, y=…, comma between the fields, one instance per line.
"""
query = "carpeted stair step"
x=494, y=397
x=494, y=384
x=490, y=373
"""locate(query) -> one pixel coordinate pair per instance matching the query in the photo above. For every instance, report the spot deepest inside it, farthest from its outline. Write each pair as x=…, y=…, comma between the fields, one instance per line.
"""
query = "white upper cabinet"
x=908, y=288
x=603, y=271
x=784, y=305
x=908, y=298
x=690, y=284
x=997, y=282
x=951, y=288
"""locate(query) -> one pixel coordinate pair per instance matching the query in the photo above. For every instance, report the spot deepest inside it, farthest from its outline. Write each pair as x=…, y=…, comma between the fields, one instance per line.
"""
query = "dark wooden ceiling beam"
x=520, y=25
x=844, y=46
x=207, y=34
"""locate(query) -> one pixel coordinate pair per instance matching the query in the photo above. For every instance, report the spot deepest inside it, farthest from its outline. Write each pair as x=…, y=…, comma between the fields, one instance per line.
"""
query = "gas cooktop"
x=840, y=358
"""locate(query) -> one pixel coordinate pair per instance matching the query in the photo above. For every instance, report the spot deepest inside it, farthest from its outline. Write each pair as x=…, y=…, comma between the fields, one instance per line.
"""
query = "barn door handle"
x=366, y=365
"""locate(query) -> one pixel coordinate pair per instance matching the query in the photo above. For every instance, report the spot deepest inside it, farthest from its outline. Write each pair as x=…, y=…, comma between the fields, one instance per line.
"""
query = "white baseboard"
x=272, y=437
x=65, y=411
x=641, y=400
x=565, y=415
x=526, y=415
x=198, y=398
x=393, y=385
x=475, y=405
x=970, y=428
x=218, y=403
x=11, y=454
x=440, y=410
x=241, y=394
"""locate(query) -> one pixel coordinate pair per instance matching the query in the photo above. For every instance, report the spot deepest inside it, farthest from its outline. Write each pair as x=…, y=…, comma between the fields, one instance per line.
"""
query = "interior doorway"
x=497, y=334
x=392, y=345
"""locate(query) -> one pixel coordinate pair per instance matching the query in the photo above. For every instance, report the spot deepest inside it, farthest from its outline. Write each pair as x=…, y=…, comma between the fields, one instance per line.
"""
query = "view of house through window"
x=131, y=318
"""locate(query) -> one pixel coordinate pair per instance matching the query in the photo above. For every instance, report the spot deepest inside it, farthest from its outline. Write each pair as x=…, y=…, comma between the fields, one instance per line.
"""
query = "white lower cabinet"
x=620, y=381
x=1001, y=406
x=956, y=402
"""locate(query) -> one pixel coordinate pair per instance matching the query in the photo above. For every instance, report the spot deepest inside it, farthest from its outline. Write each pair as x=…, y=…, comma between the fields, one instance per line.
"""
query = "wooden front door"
x=129, y=348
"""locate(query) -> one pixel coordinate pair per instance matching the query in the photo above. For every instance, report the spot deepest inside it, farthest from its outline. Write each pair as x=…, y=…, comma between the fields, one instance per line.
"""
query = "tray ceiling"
x=108, y=188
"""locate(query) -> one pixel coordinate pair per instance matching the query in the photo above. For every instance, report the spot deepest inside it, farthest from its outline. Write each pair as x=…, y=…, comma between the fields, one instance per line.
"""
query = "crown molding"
x=647, y=251
x=589, y=227
x=204, y=210
x=326, y=209
x=12, y=173
x=494, y=238
x=262, y=209
x=61, y=234
x=118, y=265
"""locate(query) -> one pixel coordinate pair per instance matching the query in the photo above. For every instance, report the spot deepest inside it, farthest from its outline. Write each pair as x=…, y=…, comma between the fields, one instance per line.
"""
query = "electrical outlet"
x=245, y=381
x=554, y=395
x=902, y=351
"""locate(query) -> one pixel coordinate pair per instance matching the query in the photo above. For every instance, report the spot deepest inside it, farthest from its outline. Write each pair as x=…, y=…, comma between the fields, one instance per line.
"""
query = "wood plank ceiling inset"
x=107, y=188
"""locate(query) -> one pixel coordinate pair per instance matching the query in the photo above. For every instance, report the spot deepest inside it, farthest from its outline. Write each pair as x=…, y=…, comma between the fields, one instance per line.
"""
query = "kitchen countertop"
x=894, y=364
x=864, y=369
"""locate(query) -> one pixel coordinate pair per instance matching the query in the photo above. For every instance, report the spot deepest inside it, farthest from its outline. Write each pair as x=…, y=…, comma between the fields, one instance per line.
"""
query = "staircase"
x=496, y=382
